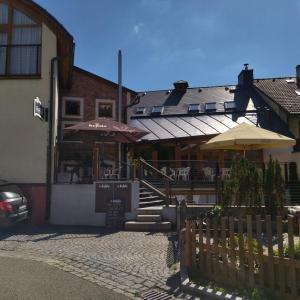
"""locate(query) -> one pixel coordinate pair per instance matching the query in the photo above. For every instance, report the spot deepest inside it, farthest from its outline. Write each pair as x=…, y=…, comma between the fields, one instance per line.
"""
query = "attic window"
x=298, y=92
x=211, y=106
x=140, y=110
x=157, y=110
x=194, y=108
x=290, y=80
x=229, y=105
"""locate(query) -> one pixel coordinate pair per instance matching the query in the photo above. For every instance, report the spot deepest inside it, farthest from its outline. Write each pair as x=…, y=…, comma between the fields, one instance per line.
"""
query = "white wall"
x=23, y=144
x=74, y=204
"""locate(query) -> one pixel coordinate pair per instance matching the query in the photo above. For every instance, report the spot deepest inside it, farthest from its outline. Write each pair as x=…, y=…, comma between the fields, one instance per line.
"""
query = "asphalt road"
x=30, y=280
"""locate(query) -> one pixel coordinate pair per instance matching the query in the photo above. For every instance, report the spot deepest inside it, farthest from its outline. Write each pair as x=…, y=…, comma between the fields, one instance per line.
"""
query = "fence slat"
x=215, y=248
x=224, y=248
x=208, y=250
x=280, y=255
x=188, y=244
x=270, y=252
x=232, y=250
x=193, y=243
x=292, y=270
x=260, y=250
x=241, y=249
x=250, y=250
x=201, y=258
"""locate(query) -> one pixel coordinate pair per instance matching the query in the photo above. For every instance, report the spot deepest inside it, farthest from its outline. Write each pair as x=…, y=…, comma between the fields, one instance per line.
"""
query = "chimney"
x=181, y=86
x=298, y=75
x=245, y=78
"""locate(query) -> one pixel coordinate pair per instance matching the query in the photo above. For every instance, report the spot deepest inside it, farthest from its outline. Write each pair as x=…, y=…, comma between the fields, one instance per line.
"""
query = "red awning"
x=106, y=129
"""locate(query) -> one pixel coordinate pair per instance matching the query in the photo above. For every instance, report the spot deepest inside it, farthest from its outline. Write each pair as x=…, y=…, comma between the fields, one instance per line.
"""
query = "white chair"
x=114, y=174
x=184, y=173
x=209, y=173
x=225, y=173
x=173, y=174
x=164, y=170
x=107, y=173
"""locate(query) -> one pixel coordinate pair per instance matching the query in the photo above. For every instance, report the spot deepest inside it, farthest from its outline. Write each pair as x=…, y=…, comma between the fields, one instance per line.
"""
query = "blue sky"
x=204, y=42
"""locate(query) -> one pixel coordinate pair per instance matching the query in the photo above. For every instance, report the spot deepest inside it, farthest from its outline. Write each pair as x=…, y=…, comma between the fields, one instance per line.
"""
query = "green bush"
x=286, y=251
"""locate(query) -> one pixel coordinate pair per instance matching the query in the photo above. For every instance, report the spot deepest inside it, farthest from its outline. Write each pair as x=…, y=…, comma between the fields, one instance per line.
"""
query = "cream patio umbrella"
x=248, y=137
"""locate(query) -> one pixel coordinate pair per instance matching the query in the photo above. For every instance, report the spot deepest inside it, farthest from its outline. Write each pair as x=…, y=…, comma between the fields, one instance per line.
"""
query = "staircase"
x=149, y=219
x=151, y=202
x=148, y=198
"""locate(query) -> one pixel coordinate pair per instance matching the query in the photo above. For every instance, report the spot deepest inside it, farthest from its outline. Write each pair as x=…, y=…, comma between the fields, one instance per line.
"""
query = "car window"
x=8, y=195
x=10, y=188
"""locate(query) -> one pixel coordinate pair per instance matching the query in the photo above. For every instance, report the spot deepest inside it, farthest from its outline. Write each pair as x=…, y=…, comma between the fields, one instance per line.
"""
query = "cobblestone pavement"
x=134, y=264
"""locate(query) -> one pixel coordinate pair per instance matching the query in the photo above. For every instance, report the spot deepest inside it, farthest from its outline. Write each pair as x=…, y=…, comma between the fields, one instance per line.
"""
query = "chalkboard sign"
x=115, y=214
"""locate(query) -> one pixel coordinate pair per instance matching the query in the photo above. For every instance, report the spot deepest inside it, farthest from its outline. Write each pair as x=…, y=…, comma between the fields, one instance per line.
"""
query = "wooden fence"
x=248, y=252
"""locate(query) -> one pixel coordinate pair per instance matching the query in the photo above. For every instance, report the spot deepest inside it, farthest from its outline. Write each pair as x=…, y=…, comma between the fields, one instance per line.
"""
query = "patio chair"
x=225, y=173
x=164, y=170
x=173, y=174
x=114, y=174
x=184, y=173
x=107, y=173
x=209, y=173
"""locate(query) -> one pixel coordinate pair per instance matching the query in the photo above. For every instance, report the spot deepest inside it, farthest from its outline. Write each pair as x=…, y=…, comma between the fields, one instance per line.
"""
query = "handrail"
x=156, y=170
x=154, y=189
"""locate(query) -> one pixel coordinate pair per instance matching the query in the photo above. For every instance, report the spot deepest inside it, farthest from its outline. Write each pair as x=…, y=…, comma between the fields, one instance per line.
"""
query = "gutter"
x=50, y=138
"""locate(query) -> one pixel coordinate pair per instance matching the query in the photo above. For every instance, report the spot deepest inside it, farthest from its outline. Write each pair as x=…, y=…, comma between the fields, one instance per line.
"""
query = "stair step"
x=149, y=198
x=146, y=193
x=148, y=218
x=151, y=203
x=155, y=210
x=148, y=226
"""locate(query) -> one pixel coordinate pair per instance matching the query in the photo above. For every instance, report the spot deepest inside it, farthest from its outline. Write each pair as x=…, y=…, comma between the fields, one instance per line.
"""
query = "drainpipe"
x=50, y=138
x=119, y=101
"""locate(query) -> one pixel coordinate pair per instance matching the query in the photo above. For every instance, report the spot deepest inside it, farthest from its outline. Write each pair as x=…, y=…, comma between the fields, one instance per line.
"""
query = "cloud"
x=137, y=28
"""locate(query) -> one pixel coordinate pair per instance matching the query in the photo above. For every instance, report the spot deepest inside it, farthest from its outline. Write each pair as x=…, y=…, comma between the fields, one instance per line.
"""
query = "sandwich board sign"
x=39, y=110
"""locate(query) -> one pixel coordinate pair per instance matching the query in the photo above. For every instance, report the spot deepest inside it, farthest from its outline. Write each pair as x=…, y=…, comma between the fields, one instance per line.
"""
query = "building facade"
x=36, y=56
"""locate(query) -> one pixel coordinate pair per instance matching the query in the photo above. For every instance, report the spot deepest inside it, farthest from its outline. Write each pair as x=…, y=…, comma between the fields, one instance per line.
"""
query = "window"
x=73, y=107
x=194, y=108
x=157, y=110
x=20, y=43
x=140, y=110
x=105, y=108
x=211, y=106
x=229, y=105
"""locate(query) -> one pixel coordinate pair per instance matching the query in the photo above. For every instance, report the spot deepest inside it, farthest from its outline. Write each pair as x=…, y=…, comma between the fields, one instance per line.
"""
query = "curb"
x=195, y=289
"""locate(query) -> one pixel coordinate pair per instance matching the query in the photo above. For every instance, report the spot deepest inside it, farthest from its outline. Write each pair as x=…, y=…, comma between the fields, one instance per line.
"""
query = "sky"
x=205, y=42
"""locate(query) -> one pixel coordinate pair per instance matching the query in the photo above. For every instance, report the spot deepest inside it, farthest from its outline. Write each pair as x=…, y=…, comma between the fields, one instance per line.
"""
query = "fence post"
x=208, y=253
x=224, y=253
x=193, y=243
x=292, y=270
x=201, y=250
x=232, y=250
x=250, y=250
x=281, y=271
x=270, y=252
x=241, y=248
x=260, y=250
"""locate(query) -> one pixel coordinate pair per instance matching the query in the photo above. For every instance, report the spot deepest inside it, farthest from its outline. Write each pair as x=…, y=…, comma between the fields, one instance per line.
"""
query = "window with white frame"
x=66, y=136
x=72, y=107
x=105, y=108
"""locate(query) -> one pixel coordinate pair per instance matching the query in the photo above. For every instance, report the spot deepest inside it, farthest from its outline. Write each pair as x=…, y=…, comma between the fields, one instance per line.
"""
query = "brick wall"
x=91, y=87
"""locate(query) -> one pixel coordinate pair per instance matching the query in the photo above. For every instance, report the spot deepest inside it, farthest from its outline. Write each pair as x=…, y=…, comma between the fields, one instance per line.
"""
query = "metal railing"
x=150, y=176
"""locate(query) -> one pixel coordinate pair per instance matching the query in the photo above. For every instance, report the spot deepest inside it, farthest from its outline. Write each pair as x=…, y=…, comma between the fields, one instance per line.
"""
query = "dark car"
x=13, y=204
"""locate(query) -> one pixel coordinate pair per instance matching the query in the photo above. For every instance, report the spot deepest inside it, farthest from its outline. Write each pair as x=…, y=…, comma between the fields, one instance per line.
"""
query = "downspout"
x=50, y=138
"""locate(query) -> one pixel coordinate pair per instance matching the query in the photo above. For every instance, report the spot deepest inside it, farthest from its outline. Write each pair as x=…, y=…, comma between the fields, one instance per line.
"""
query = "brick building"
x=89, y=97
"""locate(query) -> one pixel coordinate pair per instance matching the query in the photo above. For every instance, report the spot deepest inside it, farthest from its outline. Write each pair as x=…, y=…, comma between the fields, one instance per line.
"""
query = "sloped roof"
x=282, y=91
x=176, y=122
